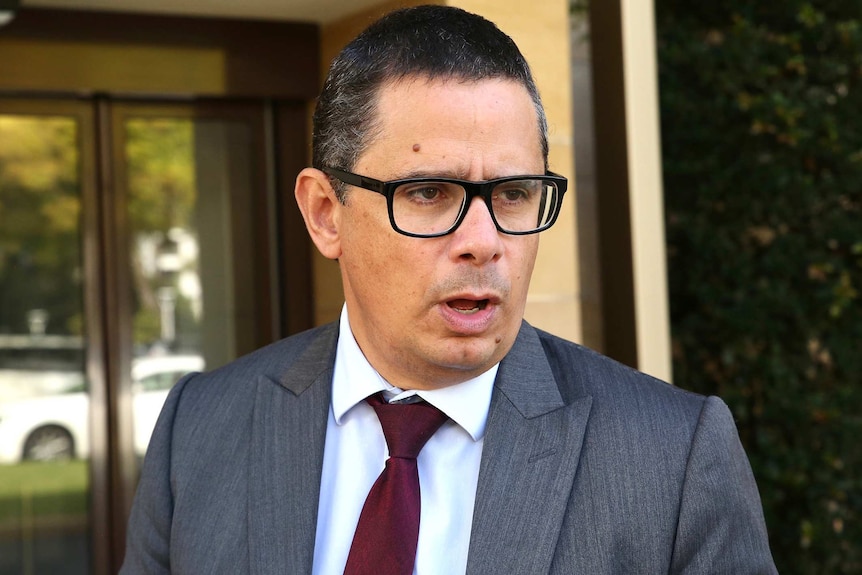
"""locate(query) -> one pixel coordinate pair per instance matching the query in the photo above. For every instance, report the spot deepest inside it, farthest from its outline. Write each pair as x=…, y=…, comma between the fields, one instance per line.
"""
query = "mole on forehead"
x=416, y=147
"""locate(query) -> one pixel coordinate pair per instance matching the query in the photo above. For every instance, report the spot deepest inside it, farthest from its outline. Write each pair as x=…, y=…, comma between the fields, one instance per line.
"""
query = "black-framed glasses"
x=432, y=207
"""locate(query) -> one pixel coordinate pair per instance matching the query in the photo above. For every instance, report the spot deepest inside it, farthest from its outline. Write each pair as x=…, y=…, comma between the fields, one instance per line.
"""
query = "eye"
x=513, y=194
x=428, y=193
x=425, y=192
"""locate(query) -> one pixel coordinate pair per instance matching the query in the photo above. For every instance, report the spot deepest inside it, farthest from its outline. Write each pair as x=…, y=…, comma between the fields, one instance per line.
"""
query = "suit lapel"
x=289, y=431
x=530, y=455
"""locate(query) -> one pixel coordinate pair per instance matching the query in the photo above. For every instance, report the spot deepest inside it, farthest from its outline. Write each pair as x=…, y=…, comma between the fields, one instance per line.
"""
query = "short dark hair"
x=434, y=42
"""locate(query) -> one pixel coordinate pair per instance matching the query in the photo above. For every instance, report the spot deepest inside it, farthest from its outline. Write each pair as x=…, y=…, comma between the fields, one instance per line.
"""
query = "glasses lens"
x=428, y=207
x=524, y=205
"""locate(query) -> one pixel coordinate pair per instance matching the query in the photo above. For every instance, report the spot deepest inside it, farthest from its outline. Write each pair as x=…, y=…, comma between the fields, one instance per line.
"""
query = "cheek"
x=525, y=261
x=391, y=268
x=364, y=237
x=406, y=272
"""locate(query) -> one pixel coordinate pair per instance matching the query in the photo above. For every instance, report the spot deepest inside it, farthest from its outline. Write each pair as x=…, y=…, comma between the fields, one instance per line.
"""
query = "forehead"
x=453, y=127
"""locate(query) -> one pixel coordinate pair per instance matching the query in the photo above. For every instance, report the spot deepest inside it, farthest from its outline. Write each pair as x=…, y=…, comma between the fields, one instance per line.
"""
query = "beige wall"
x=541, y=30
x=646, y=192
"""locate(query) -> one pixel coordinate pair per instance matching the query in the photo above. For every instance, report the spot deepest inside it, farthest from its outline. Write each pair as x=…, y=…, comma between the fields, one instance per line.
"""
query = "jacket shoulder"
x=315, y=346
x=579, y=369
x=218, y=399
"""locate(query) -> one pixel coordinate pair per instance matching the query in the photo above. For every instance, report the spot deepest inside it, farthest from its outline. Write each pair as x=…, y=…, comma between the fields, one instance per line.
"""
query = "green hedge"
x=761, y=107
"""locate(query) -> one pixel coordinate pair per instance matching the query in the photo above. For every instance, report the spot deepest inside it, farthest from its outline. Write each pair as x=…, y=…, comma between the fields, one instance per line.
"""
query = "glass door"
x=135, y=246
x=194, y=236
x=46, y=387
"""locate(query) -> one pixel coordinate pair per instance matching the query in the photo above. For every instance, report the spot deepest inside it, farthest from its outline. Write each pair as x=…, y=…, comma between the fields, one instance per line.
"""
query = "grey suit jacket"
x=588, y=467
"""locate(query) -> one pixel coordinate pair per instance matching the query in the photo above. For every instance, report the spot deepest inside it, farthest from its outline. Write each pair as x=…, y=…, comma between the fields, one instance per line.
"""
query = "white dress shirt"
x=355, y=454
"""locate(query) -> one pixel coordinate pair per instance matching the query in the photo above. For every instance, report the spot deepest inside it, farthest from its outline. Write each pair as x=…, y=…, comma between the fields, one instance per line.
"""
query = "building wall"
x=542, y=31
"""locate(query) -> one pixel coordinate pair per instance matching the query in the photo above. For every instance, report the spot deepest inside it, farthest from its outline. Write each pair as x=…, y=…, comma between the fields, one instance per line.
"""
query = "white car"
x=56, y=426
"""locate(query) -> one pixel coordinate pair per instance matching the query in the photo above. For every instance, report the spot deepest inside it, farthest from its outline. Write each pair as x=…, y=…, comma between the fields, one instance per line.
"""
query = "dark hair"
x=435, y=42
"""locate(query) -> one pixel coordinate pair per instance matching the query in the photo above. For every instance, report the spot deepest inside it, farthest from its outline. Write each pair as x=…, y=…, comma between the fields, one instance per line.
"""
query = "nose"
x=477, y=238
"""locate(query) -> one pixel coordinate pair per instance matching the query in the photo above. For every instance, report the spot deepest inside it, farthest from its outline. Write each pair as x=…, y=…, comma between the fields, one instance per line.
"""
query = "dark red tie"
x=388, y=529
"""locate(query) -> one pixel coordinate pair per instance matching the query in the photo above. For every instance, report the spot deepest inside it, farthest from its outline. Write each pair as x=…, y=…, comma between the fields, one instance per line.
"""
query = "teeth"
x=467, y=311
x=461, y=306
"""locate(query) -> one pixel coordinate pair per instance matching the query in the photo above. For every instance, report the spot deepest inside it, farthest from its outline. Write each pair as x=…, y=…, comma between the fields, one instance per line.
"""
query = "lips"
x=470, y=314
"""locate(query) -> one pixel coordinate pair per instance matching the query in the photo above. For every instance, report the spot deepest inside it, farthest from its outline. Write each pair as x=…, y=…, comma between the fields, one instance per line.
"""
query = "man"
x=430, y=181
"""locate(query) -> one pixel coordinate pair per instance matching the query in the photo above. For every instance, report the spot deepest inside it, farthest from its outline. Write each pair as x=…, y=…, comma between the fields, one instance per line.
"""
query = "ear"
x=320, y=210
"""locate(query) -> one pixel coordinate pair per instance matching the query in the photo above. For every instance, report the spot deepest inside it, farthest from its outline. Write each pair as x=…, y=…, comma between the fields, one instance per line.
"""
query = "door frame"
x=91, y=232
x=205, y=62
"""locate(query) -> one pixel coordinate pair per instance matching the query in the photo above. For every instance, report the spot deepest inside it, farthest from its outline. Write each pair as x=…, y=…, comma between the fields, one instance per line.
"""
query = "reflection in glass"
x=188, y=196
x=164, y=265
x=44, y=404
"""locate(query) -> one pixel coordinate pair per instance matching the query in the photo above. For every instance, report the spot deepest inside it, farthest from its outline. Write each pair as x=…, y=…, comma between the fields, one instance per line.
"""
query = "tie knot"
x=406, y=426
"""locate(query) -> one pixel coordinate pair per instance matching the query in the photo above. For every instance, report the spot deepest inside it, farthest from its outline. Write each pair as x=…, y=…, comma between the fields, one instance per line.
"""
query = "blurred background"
x=760, y=108
x=761, y=122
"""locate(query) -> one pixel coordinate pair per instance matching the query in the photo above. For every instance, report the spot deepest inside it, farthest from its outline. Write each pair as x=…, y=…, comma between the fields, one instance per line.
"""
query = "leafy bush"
x=761, y=107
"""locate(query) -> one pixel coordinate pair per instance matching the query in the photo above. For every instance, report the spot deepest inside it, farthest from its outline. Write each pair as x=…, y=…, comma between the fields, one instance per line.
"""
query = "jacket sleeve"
x=148, y=534
x=721, y=527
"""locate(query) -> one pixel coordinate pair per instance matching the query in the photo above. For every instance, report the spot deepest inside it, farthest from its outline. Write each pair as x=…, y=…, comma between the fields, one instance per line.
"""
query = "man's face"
x=431, y=312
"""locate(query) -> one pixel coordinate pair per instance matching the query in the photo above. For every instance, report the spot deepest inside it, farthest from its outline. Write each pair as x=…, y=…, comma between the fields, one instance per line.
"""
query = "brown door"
x=137, y=243
x=139, y=239
x=50, y=337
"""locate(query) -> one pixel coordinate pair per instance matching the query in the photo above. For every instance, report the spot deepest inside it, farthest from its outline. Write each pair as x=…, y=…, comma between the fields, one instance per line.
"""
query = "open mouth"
x=468, y=306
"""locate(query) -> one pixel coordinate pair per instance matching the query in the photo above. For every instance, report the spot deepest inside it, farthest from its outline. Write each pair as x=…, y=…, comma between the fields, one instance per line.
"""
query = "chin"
x=473, y=356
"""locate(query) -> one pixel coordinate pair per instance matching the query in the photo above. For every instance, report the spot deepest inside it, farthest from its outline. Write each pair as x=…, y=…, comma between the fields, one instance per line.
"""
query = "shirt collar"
x=354, y=379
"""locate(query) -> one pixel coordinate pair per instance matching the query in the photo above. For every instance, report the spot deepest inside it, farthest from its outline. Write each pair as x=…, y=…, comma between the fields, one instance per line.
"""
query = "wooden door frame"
x=141, y=57
x=91, y=234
